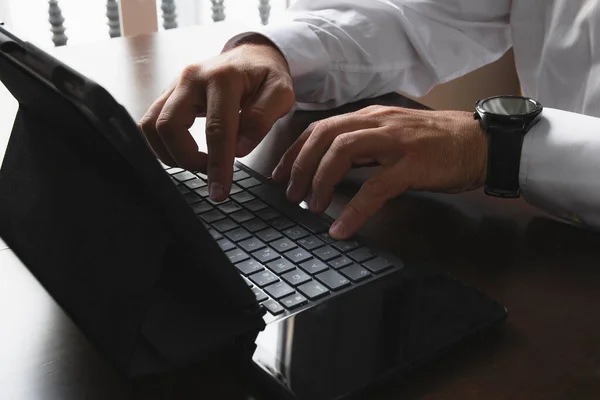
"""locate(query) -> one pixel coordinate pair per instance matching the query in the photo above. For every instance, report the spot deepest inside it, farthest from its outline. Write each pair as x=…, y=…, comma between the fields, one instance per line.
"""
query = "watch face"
x=508, y=105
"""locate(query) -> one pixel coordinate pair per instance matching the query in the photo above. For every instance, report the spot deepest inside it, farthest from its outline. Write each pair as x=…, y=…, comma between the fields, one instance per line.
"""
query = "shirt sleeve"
x=342, y=51
x=560, y=167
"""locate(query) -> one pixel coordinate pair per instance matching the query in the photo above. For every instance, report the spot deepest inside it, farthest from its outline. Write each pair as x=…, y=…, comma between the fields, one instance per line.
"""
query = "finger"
x=222, y=123
x=284, y=167
x=346, y=150
x=315, y=147
x=175, y=119
x=387, y=183
x=258, y=117
x=148, y=127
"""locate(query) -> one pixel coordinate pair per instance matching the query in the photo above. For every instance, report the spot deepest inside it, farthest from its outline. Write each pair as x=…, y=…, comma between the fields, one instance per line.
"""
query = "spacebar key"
x=277, y=199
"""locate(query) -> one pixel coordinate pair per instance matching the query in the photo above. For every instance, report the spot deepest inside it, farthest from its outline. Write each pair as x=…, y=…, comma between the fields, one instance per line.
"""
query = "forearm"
x=341, y=51
x=560, y=166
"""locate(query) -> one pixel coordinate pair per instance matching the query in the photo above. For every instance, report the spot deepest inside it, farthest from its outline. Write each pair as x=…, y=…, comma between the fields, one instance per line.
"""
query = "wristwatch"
x=505, y=120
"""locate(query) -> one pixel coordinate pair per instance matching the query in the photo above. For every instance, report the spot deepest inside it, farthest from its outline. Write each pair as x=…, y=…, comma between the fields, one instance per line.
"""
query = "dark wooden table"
x=546, y=272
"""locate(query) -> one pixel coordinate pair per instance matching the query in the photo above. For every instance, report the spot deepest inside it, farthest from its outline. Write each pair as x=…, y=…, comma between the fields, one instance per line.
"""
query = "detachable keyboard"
x=283, y=251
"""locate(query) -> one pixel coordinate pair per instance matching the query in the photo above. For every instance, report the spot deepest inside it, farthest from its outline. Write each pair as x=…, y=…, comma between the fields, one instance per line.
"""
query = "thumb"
x=374, y=193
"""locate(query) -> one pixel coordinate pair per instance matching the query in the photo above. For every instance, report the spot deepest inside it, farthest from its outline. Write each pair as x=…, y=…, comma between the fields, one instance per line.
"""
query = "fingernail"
x=216, y=191
x=290, y=192
x=275, y=173
x=337, y=229
x=244, y=145
x=312, y=202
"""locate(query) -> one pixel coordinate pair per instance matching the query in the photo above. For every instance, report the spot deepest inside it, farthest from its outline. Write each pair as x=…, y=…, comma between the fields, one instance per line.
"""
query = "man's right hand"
x=242, y=93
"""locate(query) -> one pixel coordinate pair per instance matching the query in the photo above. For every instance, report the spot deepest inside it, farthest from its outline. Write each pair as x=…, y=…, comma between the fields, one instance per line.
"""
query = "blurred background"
x=49, y=23
x=86, y=21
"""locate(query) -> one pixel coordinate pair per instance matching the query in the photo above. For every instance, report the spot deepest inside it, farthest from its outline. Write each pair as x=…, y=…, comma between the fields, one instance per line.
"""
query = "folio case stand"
x=105, y=248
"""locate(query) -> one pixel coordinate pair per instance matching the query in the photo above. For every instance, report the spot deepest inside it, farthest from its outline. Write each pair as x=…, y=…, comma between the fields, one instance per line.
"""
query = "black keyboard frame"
x=248, y=183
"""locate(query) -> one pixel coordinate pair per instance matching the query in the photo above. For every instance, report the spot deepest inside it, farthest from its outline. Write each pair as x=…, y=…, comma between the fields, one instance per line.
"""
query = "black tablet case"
x=150, y=288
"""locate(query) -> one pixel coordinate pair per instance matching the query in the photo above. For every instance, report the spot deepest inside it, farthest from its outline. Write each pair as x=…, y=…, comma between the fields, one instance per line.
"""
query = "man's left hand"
x=441, y=151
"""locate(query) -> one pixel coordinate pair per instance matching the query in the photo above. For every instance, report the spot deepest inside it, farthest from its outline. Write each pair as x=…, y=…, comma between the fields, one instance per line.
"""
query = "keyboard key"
x=255, y=205
x=298, y=255
x=229, y=207
x=183, y=189
x=267, y=214
x=326, y=238
x=340, y=262
x=191, y=197
x=310, y=243
x=225, y=244
x=265, y=255
x=279, y=290
x=360, y=255
x=236, y=255
x=201, y=207
x=295, y=232
x=293, y=301
x=296, y=277
x=333, y=280
x=248, y=183
x=239, y=175
x=260, y=296
x=263, y=278
x=313, y=290
x=276, y=198
x=195, y=183
x=225, y=225
x=281, y=266
x=248, y=282
x=235, y=189
x=174, y=170
x=326, y=253
x=281, y=223
x=377, y=265
x=242, y=197
x=249, y=267
x=212, y=216
x=251, y=244
x=238, y=234
x=215, y=203
x=283, y=245
x=215, y=235
x=242, y=216
x=268, y=235
x=346, y=245
x=202, y=176
x=313, y=266
x=202, y=192
x=255, y=225
x=356, y=273
x=184, y=176
x=235, y=168
x=273, y=307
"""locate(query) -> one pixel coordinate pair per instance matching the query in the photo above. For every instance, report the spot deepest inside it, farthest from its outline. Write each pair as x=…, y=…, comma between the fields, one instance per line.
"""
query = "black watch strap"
x=504, y=161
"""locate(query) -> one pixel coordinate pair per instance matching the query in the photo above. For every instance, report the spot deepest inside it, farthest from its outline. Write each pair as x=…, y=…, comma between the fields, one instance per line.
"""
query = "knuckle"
x=162, y=125
x=342, y=144
x=147, y=123
x=214, y=129
x=223, y=73
x=190, y=73
x=297, y=168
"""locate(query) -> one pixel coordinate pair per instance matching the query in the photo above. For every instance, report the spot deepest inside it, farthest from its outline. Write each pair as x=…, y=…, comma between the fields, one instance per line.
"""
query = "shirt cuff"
x=559, y=166
x=300, y=45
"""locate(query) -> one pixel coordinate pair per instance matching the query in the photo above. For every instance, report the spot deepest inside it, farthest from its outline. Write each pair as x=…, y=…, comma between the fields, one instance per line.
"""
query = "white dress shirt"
x=344, y=50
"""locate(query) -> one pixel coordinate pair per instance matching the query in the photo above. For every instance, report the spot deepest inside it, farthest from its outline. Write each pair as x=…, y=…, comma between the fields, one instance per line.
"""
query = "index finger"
x=222, y=124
